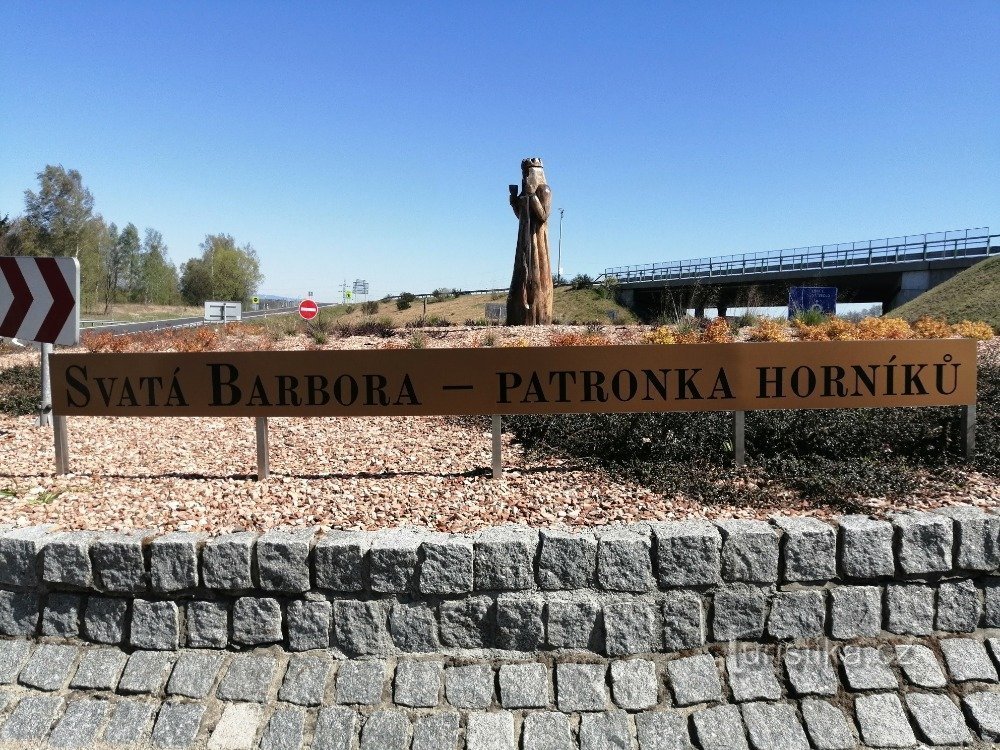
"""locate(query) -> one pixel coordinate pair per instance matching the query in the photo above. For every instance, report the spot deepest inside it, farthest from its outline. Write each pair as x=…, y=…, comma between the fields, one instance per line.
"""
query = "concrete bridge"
x=890, y=271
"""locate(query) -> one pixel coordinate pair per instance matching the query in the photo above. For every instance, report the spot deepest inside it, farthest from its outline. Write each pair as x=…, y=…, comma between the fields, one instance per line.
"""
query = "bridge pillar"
x=699, y=310
x=911, y=285
x=626, y=297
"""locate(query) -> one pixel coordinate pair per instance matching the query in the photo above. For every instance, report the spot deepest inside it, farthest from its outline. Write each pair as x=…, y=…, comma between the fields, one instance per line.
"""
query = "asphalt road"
x=159, y=325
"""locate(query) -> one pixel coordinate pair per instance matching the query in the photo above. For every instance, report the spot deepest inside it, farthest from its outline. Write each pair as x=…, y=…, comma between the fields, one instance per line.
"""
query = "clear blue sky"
x=376, y=140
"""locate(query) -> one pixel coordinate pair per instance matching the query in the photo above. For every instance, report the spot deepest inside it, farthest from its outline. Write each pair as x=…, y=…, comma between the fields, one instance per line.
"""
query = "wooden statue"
x=530, y=300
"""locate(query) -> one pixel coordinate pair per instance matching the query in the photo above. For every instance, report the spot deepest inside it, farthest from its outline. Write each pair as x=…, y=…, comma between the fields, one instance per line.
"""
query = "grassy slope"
x=974, y=294
x=134, y=313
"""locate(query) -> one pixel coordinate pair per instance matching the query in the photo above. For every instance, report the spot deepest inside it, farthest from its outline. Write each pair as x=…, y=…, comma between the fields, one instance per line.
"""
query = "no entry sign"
x=39, y=299
x=308, y=309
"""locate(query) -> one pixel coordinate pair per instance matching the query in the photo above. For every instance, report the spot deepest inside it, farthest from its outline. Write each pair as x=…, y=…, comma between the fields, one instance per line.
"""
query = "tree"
x=223, y=272
x=58, y=216
x=157, y=280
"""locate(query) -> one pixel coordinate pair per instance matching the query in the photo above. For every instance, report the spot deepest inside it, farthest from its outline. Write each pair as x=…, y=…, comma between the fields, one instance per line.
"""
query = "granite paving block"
x=967, y=660
x=226, y=562
x=688, y=553
x=340, y=560
x=810, y=672
x=574, y=623
x=855, y=612
x=739, y=613
x=683, y=620
x=920, y=666
x=119, y=562
x=774, y=726
x=237, y=727
x=155, y=625
x=602, y=731
x=925, y=542
x=977, y=537
x=19, y=551
x=633, y=684
x=633, y=627
x=991, y=603
x=418, y=683
x=194, y=673
x=13, y=656
x=393, y=561
x=414, y=627
x=129, y=724
x=146, y=672
x=567, y=560
x=207, y=624
x=336, y=728
x=19, y=612
x=283, y=560
x=173, y=561
x=662, y=730
x=388, y=729
x=437, y=731
x=360, y=681
x=490, y=731
x=79, y=724
x=65, y=559
x=624, y=561
x=61, y=616
x=546, y=730
x=866, y=547
x=719, y=728
x=309, y=625
x=360, y=627
x=984, y=712
x=752, y=676
x=882, y=721
x=32, y=718
x=694, y=679
x=911, y=608
x=796, y=615
x=284, y=730
x=524, y=685
x=581, y=687
x=99, y=669
x=809, y=549
x=248, y=678
x=828, y=728
x=519, y=624
x=938, y=720
x=505, y=558
x=749, y=551
x=867, y=668
x=447, y=565
x=104, y=619
x=468, y=622
x=49, y=667
x=469, y=686
x=256, y=621
x=177, y=725
x=305, y=679
x=959, y=607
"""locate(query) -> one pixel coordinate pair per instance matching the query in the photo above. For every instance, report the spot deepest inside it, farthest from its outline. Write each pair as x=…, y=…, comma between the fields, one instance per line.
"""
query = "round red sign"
x=308, y=309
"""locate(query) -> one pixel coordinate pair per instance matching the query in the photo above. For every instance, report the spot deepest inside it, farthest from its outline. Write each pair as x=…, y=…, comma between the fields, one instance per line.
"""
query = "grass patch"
x=970, y=295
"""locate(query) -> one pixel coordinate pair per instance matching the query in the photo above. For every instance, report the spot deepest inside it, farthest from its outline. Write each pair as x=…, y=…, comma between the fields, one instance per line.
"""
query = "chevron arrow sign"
x=40, y=300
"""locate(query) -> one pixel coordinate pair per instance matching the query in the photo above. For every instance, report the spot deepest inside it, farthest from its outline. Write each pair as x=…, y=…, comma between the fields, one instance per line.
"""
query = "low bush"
x=810, y=317
x=768, y=329
x=20, y=390
x=969, y=329
x=369, y=308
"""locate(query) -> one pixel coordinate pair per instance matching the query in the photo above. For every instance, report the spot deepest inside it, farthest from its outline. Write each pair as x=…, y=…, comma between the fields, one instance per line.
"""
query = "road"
x=159, y=325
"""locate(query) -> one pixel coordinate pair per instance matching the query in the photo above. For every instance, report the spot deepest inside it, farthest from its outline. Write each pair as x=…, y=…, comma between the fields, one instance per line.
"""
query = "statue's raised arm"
x=530, y=299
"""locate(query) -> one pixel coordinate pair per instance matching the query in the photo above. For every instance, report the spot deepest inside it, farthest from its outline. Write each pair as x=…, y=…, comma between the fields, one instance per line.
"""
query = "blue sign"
x=821, y=298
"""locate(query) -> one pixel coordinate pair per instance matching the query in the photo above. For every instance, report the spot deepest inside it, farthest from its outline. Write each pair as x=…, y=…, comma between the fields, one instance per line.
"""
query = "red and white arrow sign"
x=39, y=299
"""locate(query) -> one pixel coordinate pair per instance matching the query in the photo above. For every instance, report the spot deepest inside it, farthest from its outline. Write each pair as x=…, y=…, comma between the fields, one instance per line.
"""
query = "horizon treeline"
x=117, y=264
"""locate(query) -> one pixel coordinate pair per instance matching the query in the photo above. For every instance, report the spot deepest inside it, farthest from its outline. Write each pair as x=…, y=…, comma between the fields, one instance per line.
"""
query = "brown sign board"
x=529, y=380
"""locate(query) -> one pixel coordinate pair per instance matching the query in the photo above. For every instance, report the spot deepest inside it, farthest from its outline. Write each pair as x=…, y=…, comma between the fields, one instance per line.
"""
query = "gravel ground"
x=361, y=473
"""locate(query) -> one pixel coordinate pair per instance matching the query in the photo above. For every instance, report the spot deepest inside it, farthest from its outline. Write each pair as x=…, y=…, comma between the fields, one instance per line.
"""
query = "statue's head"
x=531, y=171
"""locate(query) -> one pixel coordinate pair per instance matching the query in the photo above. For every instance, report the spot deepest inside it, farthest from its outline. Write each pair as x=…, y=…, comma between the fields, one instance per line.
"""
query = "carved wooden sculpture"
x=530, y=299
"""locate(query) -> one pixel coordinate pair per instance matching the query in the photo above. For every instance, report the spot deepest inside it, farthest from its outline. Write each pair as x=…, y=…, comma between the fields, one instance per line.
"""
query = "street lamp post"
x=559, y=255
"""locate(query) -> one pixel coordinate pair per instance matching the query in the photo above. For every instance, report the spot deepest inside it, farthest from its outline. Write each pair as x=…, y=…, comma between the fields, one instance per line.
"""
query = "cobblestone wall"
x=644, y=589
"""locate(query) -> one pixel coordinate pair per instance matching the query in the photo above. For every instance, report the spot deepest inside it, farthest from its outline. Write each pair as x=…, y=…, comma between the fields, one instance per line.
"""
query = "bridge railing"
x=963, y=243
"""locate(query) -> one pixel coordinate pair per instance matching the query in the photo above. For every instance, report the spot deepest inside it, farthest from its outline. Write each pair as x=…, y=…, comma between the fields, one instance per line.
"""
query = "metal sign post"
x=739, y=438
x=497, y=445
x=967, y=428
x=45, y=406
x=263, y=469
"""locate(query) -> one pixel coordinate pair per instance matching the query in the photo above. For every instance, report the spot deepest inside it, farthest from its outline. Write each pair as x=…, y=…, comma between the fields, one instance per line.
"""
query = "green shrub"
x=581, y=281
x=811, y=317
x=20, y=390
x=369, y=308
x=405, y=300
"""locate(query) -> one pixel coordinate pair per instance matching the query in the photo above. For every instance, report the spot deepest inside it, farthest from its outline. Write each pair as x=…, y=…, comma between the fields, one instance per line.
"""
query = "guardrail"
x=965, y=243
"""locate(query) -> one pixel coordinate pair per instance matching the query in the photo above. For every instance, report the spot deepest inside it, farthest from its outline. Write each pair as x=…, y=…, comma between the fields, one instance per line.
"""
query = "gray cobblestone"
x=18, y=613
x=305, y=679
x=361, y=682
x=248, y=678
x=61, y=616
x=283, y=561
x=104, y=619
x=567, y=560
x=393, y=561
x=920, y=666
x=984, y=710
x=882, y=721
x=173, y=561
x=624, y=561
x=977, y=537
x=336, y=728
x=910, y=608
x=388, y=729
x=855, y=612
x=634, y=684
x=129, y=724
x=662, y=730
x=925, y=542
x=810, y=549
x=19, y=550
x=467, y=622
x=177, y=725
x=66, y=559
x=774, y=726
x=194, y=673
x=683, y=620
x=633, y=627
x=797, y=614
x=119, y=562
x=418, y=683
x=413, y=627
x=309, y=625
x=31, y=719
x=519, y=622
x=490, y=731
x=967, y=660
x=505, y=559
x=866, y=547
x=49, y=667
x=469, y=686
x=694, y=679
x=226, y=562
x=752, y=676
x=749, y=551
x=867, y=668
x=581, y=687
x=79, y=724
x=447, y=565
x=99, y=669
x=13, y=656
x=155, y=625
x=524, y=685
x=739, y=613
x=688, y=553
x=610, y=730
x=827, y=727
x=810, y=672
x=573, y=623
x=959, y=607
x=991, y=603
x=237, y=727
x=360, y=627
x=207, y=624
x=547, y=730
x=720, y=728
x=256, y=620
x=938, y=719
x=284, y=730
x=340, y=560
x=146, y=672
x=437, y=731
